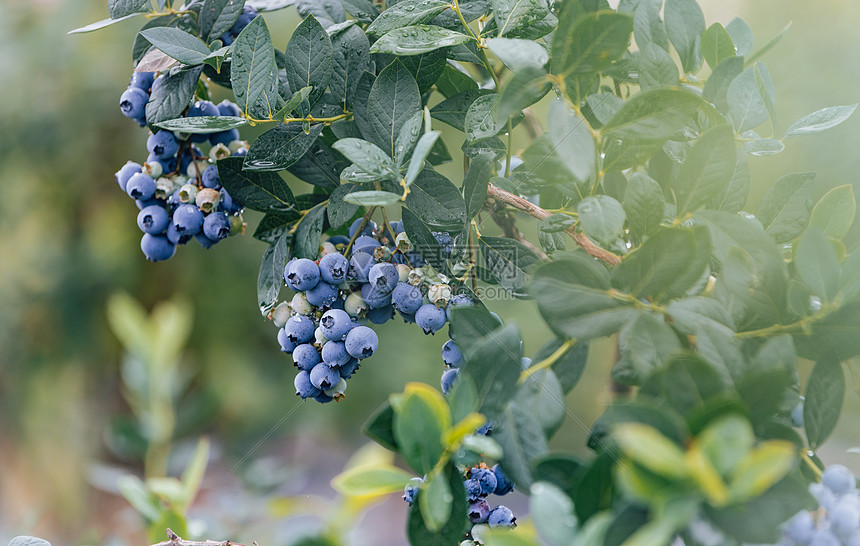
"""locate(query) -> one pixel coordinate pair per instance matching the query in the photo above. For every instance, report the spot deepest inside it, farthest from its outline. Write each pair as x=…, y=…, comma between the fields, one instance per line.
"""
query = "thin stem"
x=174, y=540
x=387, y=226
x=548, y=361
x=472, y=262
x=508, y=150
x=481, y=52
x=309, y=119
x=358, y=231
x=794, y=327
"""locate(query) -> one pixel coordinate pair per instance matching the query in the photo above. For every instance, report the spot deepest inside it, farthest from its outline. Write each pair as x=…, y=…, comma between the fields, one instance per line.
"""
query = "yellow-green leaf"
x=760, y=469
x=371, y=480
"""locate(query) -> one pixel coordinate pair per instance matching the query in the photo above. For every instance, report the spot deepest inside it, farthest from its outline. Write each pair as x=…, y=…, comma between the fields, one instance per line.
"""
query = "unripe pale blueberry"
x=132, y=103
x=335, y=324
x=324, y=376
x=322, y=295
x=838, y=479
x=162, y=144
x=448, y=378
x=403, y=272
x=349, y=368
x=402, y=243
x=299, y=329
x=382, y=253
x=156, y=247
x=188, y=194
x=140, y=186
x=319, y=337
x=361, y=342
x=430, y=318
x=479, y=510
x=238, y=146
x=374, y=298
x=305, y=356
x=126, y=172
x=338, y=389
x=153, y=219
x=300, y=304
x=797, y=414
x=327, y=248
x=153, y=168
x=216, y=226
x=451, y=354
x=355, y=304
x=367, y=230
x=439, y=294
x=304, y=387
x=333, y=268
x=196, y=167
x=359, y=266
x=365, y=244
x=501, y=516
x=503, y=484
x=187, y=219
x=218, y=151
x=302, y=274
x=208, y=200
x=416, y=277
x=334, y=354
x=281, y=313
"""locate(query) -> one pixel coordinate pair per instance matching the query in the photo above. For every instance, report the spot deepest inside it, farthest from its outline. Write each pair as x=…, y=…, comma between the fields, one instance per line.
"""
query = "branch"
x=507, y=222
x=581, y=239
x=174, y=540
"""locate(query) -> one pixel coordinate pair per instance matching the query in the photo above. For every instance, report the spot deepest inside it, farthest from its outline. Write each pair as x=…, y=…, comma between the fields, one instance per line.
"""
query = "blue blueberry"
x=205, y=242
x=322, y=295
x=168, y=165
x=448, y=378
x=396, y=226
x=410, y=492
x=216, y=226
x=156, y=248
x=479, y=510
x=302, y=274
x=188, y=156
x=407, y=298
x=485, y=430
x=334, y=354
x=248, y=15
x=373, y=298
x=306, y=356
x=445, y=241
x=140, y=186
x=335, y=324
x=359, y=266
x=486, y=478
x=473, y=489
x=210, y=178
x=800, y=527
x=501, y=516
x=224, y=137
x=451, y=354
x=227, y=108
x=339, y=240
x=153, y=219
x=844, y=518
x=299, y=329
x=162, y=144
x=334, y=267
x=430, y=318
x=228, y=204
x=503, y=484
x=323, y=398
x=126, y=172
x=368, y=228
x=349, y=368
x=408, y=318
x=460, y=300
x=383, y=277
x=361, y=342
x=132, y=103
x=824, y=537
x=287, y=345
x=175, y=237
x=381, y=315
x=304, y=387
x=324, y=376
x=838, y=479
x=188, y=219
x=365, y=244
x=142, y=80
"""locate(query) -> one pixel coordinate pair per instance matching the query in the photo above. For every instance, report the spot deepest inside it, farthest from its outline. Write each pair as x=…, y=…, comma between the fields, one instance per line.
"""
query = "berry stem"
x=548, y=361
x=174, y=540
x=355, y=235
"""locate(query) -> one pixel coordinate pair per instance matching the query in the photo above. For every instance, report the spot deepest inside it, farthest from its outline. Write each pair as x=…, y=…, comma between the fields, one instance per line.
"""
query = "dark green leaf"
x=834, y=212
x=643, y=203
x=217, y=16
x=685, y=24
x=644, y=343
x=417, y=529
x=527, y=87
x=320, y=166
x=422, y=151
x=274, y=224
x=141, y=45
x=573, y=141
x=591, y=44
x=519, y=432
x=656, y=68
x=824, y=393
x=436, y=201
x=717, y=45
x=517, y=54
x=202, y=124
x=569, y=366
x=685, y=382
x=786, y=206
x=601, y=217
x=417, y=39
x=178, y=44
x=406, y=13
x=542, y=393
x=368, y=157
x=513, y=15
x=263, y=191
x=480, y=120
x=423, y=241
x=339, y=210
x=707, y=169
x=362, y=10
x=278, y=148
x=510, y=261
x=426, y=68
x=817, y=264
x=453, y=82
x=253, y=73
x=493, y=364
x=393, y=100
x=322, y=9
x=309, y=60
x=170, y=99
x=406, y=140
x=307, y=240
x=350, y=58
x=271, y=276
x=123, y=8
x=379, y=427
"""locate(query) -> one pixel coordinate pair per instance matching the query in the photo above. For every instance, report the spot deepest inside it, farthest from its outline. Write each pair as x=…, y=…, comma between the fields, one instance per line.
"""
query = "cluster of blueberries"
x=479, y=482
x=379, y=278
x=177, y=189
x=837, y=520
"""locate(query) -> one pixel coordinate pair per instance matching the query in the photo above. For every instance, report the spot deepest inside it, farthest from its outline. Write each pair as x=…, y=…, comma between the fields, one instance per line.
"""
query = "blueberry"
x=227, y=108
x=142, y=80
x=187, y=219
x=188, y=156
x=132, y=103
x=333, y=268
x=479, y=510
x=368, y=228
x=411, y=489
x=176, y=237
x=503, y=484
x=349, y=368
x=365, y=244
x=374, y=298
x=153, y=219
x=451, y=354
x=339, y=240
x=448, y=378
x=322, y=295
x=525, y=362
x=445, y=241
x=838, y=479
x=168, y=165
x=396, y=226
x=824, y=537
x=460, y=300
x=224, y=137
x=323, y=398
x=125, y=172
x=156, y=248
x=205, y=242
x=361, y=342
x=299, y=329
x=334, y=354
x=800, y=527
x=248, y=15
x=485, y=430
x=141, y=187
x=473, y=489
x=825, y=497
x=216, y=226
x=228, y=204
x=406, y=298
x=844, y=519
x=430, y=318
x=302, y=274
x=381, y=315
x=324, y=376
x=210, y=178
x=359, y=266
x=408, y=318
x=304, y=387
x=501, y=516
x=306, y=356
x=162, y=144
x=335, y=324
x=287, y=345
x=797, y=414
x=486, y=478
x=383, y=277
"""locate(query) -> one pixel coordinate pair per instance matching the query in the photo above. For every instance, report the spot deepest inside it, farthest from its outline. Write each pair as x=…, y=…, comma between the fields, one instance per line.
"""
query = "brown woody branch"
x=531, y=209
x=174, y=540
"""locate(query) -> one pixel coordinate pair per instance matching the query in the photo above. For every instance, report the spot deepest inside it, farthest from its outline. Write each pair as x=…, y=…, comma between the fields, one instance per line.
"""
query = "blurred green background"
x=69, y=241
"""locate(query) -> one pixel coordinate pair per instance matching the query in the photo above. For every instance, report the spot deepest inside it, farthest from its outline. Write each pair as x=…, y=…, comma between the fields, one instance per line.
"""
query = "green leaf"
x=350, y=58
x=368, y=157
x=542, y=392
x=379, y=427
x=569, y=366
x=371, y=198
x=462, y=399
x=475, y=184
x=522, y=439
x=648, y=28
x=309, y=60
x=322, y=9
x=417, y=530
x=271, y=275
x=98, y=25
x=393, y=100
x=707, y=169
x=253, y=73
x=573, y=141
x=406, y=140
x=273, y=225
x=123, y=8
x=527, y=87
x=510, y=261
x=263, y=191
x=437, y=201
x=837, y=334
x=717, y=45
x=656, y=68
x=517, y=54
x=170, y=99
x=764, y=466
x=644, y=344
x=320, y=166
x=513, y=15
x=280, y=147
x=423, y=241
x=435, y=501
x=747, y=105
x=362, y=10
x=417, y=39
x=217, y=16
x=453, y=110
x=786, y=206
x=643, y=204
x=647, y=447
x=834, y=212
x=420, y=154
x=741, y=35
x=178, y=44
x=339, y=210
x=421, y=416
x=726, y=441
x=763, y=147
x=471, y=323
x=480, y=121
x=493, y=364
x=426, y=68
x=553, y=513
x=716, y=89
x=817, y=264
x=686, y=382
x=406, y=13
x=453, y=82
x=685, y=24
x=601, y=217
x=298, y=97
x=825, y=391
x=666, y=266
x=820, y=120
x=374, y=480
x=308, y=231
x=735, y=195
x=202, y=124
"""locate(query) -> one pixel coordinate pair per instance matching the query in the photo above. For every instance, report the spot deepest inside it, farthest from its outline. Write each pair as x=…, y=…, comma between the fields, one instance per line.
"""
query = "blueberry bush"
x=636, y=179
